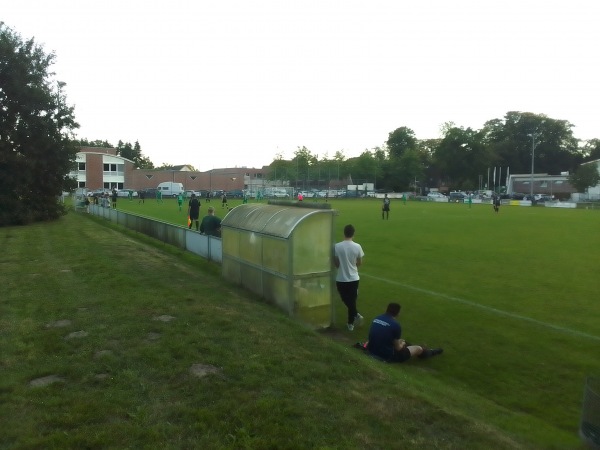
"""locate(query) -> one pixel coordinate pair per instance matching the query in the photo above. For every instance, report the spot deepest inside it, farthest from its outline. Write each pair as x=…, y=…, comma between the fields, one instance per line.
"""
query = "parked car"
x=188, y=194
x=236, y=193
x=125, y=193
x=436, y=195
x=457, y=197
x=277, y=193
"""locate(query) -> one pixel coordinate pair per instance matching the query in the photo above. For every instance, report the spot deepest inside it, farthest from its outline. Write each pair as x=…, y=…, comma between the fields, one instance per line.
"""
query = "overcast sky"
x=234, y=83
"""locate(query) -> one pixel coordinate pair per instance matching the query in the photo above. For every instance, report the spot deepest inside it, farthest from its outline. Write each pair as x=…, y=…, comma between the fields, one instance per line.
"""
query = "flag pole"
x=500, y=179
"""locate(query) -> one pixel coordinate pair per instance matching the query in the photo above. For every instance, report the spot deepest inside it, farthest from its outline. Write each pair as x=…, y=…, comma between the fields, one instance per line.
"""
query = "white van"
x=170, y=189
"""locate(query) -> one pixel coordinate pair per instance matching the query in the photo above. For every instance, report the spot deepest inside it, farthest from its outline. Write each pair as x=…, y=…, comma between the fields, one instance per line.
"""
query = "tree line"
x=124, y=149
x=460, y=160
x=38, y=146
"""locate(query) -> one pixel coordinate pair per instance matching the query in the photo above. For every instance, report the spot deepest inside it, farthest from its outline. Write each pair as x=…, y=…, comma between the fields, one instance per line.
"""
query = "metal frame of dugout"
x=282, y=251
x=589, y=427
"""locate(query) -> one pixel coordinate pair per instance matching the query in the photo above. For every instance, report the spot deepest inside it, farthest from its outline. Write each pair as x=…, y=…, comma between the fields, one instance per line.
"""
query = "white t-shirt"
x=348, y=252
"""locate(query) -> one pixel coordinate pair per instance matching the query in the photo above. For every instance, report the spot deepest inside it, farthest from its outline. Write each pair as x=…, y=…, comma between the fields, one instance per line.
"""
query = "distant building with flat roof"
x=556, y=185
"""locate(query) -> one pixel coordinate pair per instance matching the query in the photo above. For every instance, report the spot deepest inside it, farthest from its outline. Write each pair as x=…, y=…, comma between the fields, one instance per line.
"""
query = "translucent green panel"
x=311, y=292
x=250, y=246
x=230, y=270
x=312, y=247
x=313, y=300
x=276, y=255
x=230, y=242
x=252, y=278
x=276, y=290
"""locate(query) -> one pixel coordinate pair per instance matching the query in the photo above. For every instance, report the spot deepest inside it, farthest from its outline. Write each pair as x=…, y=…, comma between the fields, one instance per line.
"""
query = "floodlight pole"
x=532, y=135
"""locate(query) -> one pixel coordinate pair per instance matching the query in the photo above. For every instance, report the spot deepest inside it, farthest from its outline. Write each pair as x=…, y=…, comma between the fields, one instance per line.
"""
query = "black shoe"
x=428, y=353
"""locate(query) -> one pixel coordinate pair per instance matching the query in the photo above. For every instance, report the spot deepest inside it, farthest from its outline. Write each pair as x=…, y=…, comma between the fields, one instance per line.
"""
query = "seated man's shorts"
x=401, y=356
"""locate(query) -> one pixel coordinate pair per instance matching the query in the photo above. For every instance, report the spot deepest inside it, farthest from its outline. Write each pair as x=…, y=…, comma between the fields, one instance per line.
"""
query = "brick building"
x=99, y=168
x=555, y=185
x=102, y=168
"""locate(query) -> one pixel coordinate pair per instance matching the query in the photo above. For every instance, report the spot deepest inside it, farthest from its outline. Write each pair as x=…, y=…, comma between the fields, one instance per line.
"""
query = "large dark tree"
x=512, y=140
x=461, y=158
x=401, y=140
x=37, y=151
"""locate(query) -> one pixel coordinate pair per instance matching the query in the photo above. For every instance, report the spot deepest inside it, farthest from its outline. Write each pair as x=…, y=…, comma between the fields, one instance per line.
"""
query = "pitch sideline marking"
x=486, y=308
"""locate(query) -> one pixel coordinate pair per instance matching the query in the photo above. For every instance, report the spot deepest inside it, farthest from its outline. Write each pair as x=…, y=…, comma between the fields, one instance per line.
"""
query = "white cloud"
x=230, y=83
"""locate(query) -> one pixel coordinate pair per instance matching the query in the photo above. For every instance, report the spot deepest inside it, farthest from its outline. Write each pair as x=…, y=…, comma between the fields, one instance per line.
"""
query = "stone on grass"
x=202, y=370
x=76, y=334
x=45, y=381
x=59, y=324
x=164, y=318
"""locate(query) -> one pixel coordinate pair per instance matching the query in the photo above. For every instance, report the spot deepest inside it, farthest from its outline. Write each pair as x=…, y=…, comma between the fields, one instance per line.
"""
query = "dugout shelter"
x=282, y=252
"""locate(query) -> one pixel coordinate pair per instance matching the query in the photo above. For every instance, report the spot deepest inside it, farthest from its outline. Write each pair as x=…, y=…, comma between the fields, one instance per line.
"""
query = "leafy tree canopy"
x=460, y=159
x=401, y=140
x=37, y=149
x=584, y=177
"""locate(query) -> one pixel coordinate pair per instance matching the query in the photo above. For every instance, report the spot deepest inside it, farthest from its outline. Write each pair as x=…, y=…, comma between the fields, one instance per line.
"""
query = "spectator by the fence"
x=211, y=224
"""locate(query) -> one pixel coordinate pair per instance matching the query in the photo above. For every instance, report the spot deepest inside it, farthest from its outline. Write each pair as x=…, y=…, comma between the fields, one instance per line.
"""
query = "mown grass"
x=503, y=382
x=127, y=384
x=510, y=296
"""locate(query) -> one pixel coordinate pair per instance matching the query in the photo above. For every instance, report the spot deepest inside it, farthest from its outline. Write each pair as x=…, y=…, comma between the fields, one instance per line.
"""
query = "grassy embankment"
x=509, y=297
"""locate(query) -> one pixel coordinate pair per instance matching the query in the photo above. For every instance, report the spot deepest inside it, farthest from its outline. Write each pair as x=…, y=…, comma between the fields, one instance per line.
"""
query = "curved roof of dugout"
x=272, y=220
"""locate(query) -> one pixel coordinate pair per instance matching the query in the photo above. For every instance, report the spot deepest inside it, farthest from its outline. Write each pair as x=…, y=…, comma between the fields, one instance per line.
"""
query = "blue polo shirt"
x=384, y=330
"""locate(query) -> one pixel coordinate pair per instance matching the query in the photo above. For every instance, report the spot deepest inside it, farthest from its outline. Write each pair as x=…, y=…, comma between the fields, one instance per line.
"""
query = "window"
x=81, y=167
x=114, y=169
x=81, y=184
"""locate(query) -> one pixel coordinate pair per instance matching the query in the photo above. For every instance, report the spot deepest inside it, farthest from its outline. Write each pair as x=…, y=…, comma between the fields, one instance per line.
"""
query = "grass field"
x=511, y=297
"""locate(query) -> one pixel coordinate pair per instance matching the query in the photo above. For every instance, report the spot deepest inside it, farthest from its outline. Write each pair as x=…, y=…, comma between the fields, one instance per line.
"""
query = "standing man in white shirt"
x=348, y=256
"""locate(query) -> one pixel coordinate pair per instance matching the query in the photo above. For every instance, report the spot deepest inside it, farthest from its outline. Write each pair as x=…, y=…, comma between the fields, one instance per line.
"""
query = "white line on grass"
x=486, y=308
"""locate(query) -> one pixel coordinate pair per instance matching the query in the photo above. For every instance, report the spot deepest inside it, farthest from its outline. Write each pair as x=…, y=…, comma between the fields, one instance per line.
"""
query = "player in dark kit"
x=194, y=212
x=224, y=201
x=385, y=208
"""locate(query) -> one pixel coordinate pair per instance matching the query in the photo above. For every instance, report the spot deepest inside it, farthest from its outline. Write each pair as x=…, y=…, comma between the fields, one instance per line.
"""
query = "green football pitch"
x=512, y=297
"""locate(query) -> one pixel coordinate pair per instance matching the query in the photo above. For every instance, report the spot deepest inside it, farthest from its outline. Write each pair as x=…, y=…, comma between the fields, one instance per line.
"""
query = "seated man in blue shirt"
x=385, y=339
